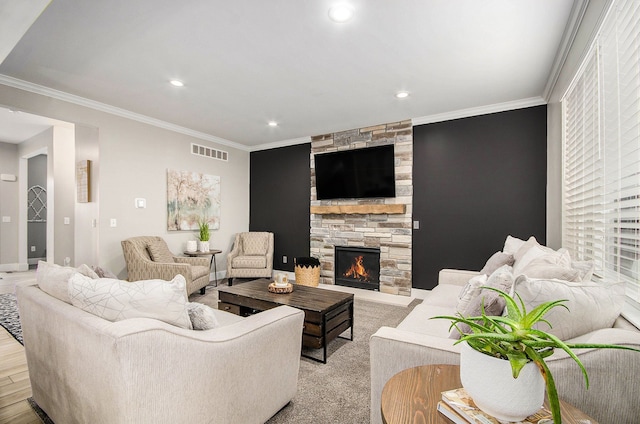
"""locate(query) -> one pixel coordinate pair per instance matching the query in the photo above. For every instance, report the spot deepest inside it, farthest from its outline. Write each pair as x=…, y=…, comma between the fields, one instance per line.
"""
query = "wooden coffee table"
x=412, y=396
x=327, y=313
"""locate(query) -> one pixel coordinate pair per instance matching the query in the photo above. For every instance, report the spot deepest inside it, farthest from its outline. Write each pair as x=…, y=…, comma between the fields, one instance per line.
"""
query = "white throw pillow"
x=512, y=245
x=469, y=291
x=555, y=266
x=585, y=268
x=592, y=306
x=202, y=316
x=532, y=250
x=54, y=279
x=115, y=300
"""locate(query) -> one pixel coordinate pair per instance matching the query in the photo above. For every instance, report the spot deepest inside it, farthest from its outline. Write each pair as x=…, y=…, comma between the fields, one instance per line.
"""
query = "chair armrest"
x=146, y=270
x=611, y=397
x=193, y=260
x=458, y=277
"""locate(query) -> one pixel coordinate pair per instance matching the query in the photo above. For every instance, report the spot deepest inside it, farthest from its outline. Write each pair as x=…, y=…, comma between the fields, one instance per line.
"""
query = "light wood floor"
x=15, y=387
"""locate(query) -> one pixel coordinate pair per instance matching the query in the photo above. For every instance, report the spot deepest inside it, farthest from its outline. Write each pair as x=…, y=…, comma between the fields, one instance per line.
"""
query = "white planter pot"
x=192, y=245
x=203, y=246
x=490, y=383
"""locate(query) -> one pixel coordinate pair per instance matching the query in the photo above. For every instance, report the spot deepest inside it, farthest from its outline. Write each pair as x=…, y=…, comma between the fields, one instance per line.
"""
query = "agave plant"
x=512, y=337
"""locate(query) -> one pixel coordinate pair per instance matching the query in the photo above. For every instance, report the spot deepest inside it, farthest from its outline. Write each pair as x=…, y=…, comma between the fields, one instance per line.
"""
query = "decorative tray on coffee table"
x=274, y=288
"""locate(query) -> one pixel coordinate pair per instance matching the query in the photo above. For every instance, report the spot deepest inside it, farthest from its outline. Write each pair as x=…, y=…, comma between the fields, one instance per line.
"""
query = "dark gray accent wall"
x=280, y=190
x=475, y=181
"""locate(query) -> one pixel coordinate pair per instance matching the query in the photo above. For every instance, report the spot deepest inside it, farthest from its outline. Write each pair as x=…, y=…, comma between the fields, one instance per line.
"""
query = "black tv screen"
x=356, y=174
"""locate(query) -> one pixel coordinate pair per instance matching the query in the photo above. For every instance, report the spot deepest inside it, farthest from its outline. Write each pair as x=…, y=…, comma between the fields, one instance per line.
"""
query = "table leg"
x=215, y=270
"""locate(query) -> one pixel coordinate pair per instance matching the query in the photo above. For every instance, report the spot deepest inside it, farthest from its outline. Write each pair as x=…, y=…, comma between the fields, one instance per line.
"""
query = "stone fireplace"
x=383, y=224
x=357, y=267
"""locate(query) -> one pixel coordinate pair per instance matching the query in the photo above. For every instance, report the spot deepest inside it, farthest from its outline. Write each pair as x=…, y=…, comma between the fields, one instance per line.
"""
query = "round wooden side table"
x=412, y=396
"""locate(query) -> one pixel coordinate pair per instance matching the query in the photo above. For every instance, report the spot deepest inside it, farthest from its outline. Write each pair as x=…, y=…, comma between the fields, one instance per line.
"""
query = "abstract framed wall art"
x=191, y=198
x=83, y=181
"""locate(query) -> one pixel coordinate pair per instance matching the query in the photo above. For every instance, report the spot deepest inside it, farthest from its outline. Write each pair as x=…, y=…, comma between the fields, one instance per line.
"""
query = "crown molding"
x=283, y=143
x=571, y=30
x=123, y=113
x=482, y=110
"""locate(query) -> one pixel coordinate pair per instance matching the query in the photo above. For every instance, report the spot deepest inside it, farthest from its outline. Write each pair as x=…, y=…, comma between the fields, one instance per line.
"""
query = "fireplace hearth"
x=357, y=267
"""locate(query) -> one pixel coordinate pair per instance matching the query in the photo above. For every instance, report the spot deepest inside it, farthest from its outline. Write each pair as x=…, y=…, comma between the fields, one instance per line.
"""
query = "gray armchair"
x=251, y=256
x=148, y=257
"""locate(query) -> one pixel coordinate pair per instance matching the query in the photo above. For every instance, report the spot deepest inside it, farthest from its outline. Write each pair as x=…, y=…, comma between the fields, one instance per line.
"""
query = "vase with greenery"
x=514, y=338
x=203, y=237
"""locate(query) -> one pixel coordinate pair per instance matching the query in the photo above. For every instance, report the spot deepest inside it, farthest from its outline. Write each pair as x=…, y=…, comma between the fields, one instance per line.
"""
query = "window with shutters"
x=601, y=157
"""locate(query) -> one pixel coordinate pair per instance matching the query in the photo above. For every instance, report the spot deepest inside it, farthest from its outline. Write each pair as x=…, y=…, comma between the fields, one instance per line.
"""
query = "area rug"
x=336, y=392
x=9, y=317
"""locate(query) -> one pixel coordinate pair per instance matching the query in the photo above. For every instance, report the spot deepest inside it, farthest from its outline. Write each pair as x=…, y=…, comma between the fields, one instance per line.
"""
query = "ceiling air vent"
x=208, y=152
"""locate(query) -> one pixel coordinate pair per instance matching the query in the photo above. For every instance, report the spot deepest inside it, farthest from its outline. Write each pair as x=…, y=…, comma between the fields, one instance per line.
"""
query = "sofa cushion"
x=159, y=252
x=496, y=261
x=418, y=321
x=116, y=300
x=591, y=306
x=54, y=279
x=198, y=271
x=202, y=316
x=445, y=295
x=255, y=262
x=255, y=243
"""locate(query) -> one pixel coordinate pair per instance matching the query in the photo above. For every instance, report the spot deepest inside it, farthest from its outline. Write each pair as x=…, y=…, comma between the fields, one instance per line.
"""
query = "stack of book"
x=458, y=406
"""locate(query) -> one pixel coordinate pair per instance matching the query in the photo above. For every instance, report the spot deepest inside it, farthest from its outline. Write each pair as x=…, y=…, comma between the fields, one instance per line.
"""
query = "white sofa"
x=84, y=369
x=613, y=374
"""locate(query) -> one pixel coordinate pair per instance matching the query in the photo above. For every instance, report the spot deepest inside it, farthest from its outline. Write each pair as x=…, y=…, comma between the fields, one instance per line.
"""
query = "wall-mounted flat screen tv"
x=356, y=173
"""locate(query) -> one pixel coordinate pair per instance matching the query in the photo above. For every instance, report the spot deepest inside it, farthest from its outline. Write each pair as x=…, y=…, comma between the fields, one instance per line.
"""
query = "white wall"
x=8, y=207
x=133, y=161
x=584, y=37
x=86, y=234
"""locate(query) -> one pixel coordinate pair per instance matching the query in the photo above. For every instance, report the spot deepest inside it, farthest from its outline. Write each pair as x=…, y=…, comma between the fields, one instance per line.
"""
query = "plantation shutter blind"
x=601, y=209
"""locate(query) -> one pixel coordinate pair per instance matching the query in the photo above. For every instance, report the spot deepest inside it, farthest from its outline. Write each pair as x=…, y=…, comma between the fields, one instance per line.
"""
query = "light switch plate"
x=6, y=219
x=67, y=221
x=113, y=222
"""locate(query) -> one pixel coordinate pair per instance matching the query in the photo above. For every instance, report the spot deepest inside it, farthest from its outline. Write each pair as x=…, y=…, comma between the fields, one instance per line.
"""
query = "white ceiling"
x=16, y=126
x=246, y=62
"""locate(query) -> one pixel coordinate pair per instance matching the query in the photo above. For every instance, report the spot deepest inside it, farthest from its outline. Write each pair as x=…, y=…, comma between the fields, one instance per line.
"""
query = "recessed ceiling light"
x=273, y=124
x=341, y=13
x=402, y=94
x=176, y=83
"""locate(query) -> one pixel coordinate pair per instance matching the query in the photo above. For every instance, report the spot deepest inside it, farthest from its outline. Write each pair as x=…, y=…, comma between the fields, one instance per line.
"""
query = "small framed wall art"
x=83, y=181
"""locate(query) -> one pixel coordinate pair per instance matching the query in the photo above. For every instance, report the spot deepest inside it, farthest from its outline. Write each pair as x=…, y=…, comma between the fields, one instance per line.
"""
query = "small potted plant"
x=203, y=237
x=513, y=338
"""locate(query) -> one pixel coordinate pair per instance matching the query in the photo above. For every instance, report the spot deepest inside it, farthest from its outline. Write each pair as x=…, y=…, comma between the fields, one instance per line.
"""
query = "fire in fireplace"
x=357, y=267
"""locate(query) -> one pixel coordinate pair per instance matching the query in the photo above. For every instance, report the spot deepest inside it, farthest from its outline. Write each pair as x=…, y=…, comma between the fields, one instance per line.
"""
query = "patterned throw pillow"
x=591, y=306
x=497, y=260
x=159, y=252
x=202, y=316
x=116, y=300
x=489, y=300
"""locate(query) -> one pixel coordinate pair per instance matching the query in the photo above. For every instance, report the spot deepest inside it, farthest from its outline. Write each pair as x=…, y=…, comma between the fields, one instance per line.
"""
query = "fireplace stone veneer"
x=389, y=232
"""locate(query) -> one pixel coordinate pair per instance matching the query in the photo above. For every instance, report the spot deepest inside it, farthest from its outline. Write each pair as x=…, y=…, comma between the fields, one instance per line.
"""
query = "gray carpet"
x=339, y=391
